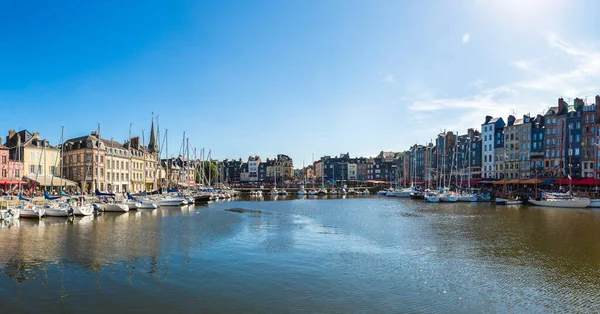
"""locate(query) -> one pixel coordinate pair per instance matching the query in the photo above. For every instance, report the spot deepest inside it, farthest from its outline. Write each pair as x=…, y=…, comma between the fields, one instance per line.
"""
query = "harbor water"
x=347, y=255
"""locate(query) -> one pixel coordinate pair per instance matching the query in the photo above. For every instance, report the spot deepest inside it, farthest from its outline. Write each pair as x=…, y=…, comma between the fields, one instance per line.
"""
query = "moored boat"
x=565, y=200
x=431, y=197
x=31, y=211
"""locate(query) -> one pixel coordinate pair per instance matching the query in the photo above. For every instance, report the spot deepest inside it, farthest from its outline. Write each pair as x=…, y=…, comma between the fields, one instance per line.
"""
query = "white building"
x=117, y=166
x=253, y=163
x=491, y=137
x=352, y=171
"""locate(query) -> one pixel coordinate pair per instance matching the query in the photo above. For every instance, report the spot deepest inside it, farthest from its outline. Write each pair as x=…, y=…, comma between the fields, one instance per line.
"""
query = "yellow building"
x=39, y=157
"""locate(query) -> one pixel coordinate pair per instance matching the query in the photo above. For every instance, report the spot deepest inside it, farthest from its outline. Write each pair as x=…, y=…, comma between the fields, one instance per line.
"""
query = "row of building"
x=561, y=142
x=91, y=162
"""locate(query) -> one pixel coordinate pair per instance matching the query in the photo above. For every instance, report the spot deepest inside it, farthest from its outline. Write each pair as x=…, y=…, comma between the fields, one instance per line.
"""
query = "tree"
x=210, y=170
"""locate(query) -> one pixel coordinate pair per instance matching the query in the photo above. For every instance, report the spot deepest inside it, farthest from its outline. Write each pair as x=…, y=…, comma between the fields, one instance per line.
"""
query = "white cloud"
x=465, y=38
x=570, y=72
x=478, y=83
x=389, y=79
x=522, y=64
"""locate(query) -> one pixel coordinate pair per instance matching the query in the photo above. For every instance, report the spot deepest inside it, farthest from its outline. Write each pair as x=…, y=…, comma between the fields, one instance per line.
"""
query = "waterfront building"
x=230, y=171
x=352, y=171
x=39, y=157
x=319, y=167
x=446, y=147
x=181, y=171
x=573, y=137
x=400, y=167
x=117, y=166
x=309, y=173
x=537, y=146
x=137, y=164
x=336, y=168
x=385, y=166
x=589, y=120
x=262, y=170
x=253, y=164
x=524, y=153
x=284, y=168
x=151, y=162
x=361, y=169
x=83, y=161
x=468, y=156
x=416, y=163
x=493, y=147
x=554, y=143
x=244, y=174
x=511, y=147
x=4, y=163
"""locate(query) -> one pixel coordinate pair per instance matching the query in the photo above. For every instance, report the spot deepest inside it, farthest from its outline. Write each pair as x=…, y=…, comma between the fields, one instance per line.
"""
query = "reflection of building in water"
x=90, y=242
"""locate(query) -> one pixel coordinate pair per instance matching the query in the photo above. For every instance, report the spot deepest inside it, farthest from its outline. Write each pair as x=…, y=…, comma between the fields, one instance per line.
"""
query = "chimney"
x=11, y=133
x=135, y=142
x=488, y=118
x=36, y=135
x=597, y=100
x=511, y=120
x=562, y=105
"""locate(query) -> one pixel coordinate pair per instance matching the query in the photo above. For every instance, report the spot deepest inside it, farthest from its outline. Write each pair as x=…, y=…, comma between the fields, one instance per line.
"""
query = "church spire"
x=152, y=145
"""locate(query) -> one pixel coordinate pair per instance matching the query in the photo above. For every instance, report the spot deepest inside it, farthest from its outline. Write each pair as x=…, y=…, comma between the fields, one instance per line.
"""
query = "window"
x=32, y=169
x=4, y=173
x=4, y=160
x=541, y=136
x=576, y=151
x=53, y=170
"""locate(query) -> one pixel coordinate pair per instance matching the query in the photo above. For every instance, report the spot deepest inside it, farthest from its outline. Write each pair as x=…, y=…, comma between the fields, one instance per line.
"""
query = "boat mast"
x=189, y=180
x=129, y=150
x=469, y=161
x=98, y=157
x=62, y=144
x=144, y=156
x=168, y=163
x=570, y=162
x=157, y=155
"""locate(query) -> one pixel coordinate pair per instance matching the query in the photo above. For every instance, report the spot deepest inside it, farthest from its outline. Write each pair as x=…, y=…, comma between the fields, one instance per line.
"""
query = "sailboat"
x=445, y=195
x=274, y=191
x=281, y=192
x=323, y=190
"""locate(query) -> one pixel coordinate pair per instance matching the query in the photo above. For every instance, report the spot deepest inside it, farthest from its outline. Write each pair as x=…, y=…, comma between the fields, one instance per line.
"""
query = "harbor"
x=327, y=254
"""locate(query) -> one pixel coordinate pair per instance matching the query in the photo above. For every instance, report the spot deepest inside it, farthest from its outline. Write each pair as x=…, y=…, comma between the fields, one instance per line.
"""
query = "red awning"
x=5, y=182
x=418, y=182
x=564, y=181
x=586, y=181
x=475, y=181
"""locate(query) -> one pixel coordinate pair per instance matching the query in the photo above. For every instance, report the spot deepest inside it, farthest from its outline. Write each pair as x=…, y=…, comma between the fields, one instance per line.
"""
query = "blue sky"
x=293, y=77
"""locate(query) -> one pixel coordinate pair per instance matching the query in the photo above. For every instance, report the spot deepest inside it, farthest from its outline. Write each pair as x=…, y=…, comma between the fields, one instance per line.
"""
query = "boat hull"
x=84, y=210
x=432, y=199
x=576, y=203
x=467, y=198
x=119, y=208
x=57, y=212
x=171, y=202
x=147, y=205
x=448, y=198
x=201, y=198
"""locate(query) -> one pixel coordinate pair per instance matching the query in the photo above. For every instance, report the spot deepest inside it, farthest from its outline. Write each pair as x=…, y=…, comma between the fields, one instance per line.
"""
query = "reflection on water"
x=306, y=254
